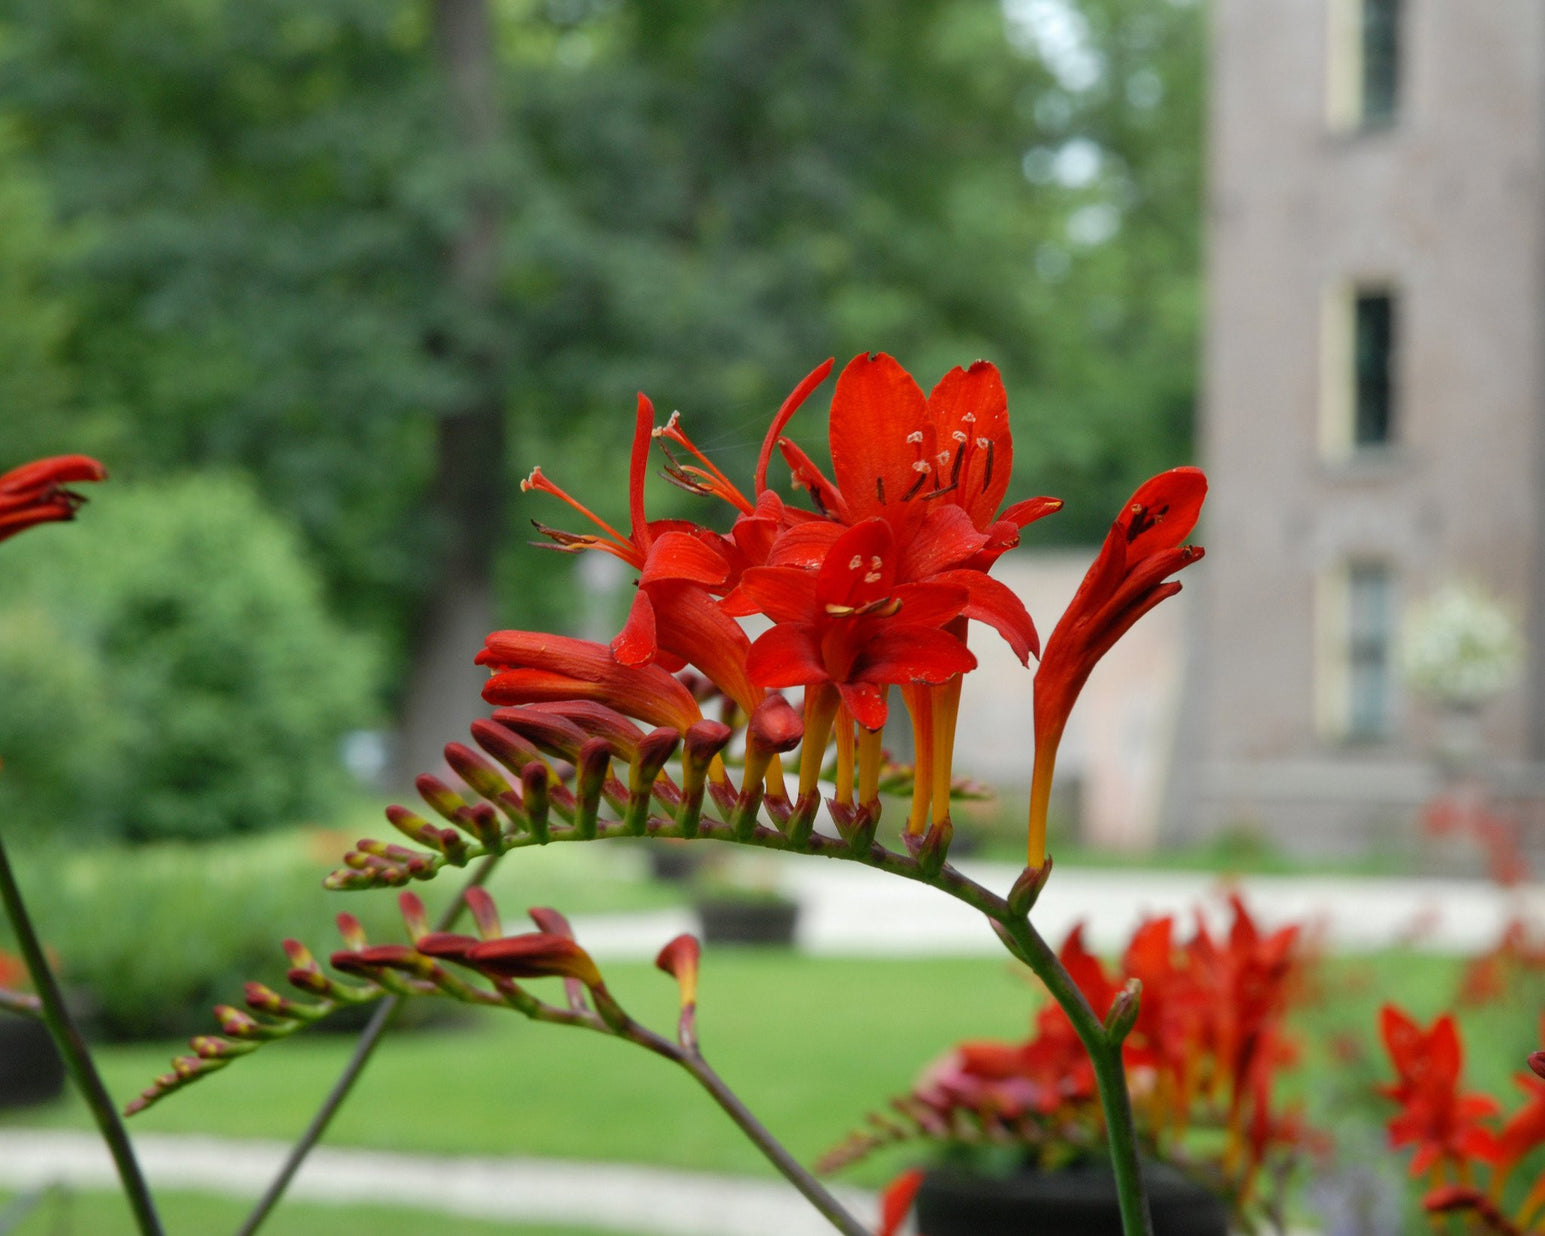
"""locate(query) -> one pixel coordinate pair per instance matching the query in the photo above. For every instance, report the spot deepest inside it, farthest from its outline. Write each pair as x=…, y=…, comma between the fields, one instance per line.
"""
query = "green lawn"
x=192, y=1214
x=811, y=1044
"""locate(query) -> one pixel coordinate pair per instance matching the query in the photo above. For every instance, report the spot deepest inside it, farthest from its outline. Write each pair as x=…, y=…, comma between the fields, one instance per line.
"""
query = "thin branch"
x=369, y=1038
x=77, y=1056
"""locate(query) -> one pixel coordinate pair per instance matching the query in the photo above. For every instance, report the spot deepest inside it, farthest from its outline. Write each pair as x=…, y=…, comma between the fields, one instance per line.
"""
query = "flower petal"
x=786, y=656
x=875, y=410
x=972, y=403
x=993, y=602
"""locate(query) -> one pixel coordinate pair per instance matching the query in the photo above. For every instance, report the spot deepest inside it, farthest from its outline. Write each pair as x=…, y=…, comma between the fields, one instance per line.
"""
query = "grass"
x=92, y=1213
x=811, y=1044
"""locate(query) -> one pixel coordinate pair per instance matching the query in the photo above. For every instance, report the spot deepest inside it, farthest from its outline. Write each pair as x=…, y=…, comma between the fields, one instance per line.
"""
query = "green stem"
x=364, y=1048
x=1109, y=1072
x=790, y=1168
x=77, y=1057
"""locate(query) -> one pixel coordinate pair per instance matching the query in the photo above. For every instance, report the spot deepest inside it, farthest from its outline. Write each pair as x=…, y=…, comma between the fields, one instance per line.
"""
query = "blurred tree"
x=266, y=201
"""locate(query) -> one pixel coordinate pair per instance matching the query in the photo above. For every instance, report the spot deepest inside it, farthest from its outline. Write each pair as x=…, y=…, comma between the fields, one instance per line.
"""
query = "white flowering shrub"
x=1460, y=646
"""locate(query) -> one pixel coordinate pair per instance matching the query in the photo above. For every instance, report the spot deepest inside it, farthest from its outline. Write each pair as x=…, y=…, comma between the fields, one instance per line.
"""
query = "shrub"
x=170, y=670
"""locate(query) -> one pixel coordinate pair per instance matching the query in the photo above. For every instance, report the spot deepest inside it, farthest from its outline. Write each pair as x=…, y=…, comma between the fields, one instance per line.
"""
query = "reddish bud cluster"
x=35, y=493
x=1455, y=1133
x=1203, y=1049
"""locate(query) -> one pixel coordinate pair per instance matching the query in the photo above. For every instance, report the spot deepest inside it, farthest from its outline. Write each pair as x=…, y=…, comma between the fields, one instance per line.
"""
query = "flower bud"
x=477, y=772
x=551, y=921
x=1537, y=1063
x=544, y=730
x=590, y=773
x=414, y=917
x=1123, y=1011
x=480, y=904
x=680, y=959
x=535, y=801
x=931, y=848
x=536, y=954
x=1027, y=888
x=504, y=744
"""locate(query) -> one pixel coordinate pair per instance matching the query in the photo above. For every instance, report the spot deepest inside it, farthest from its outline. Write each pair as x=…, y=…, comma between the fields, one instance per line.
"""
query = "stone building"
x=1374, y=402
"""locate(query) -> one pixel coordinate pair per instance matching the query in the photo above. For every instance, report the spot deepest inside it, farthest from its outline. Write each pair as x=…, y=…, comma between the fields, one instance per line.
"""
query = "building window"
x=1364, y=63
x=1359, y=393
x=1357, y=623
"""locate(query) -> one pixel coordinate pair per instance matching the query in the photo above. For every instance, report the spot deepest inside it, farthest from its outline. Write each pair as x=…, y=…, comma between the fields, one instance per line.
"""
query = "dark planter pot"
x=733, y=921
x=30, y=1068
x=1079, y=1200
x=672, y=864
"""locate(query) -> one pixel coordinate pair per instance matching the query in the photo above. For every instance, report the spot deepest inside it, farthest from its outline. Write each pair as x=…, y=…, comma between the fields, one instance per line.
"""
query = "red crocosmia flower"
x=35, y=493
x=896, y=1201
x=674, y=617
x=1128, y=579
x=849, y=629
x=529, y=667
x=1441, y=1122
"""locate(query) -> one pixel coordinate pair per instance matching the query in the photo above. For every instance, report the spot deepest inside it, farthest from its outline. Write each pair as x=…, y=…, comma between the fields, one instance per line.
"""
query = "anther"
x=960, y=436
x=915, y=436
x=857, y=561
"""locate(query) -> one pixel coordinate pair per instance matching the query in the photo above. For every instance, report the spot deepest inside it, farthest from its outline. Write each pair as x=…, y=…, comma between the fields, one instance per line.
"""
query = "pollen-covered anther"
x=922, y=465
x=960, y=436
x=915, y=436
x=872, y=577
x=856, y=562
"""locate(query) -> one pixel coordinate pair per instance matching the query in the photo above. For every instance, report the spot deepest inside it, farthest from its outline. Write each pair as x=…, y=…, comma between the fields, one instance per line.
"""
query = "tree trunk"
x=467, y=495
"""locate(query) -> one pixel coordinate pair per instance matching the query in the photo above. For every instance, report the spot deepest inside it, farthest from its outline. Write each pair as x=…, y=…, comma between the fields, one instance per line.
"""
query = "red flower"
x=35, y=493
x=1441, y=1122
x=896, y=1201
x=674, y=617
x=1142, y=548
x=851, y=625
x=533, y=668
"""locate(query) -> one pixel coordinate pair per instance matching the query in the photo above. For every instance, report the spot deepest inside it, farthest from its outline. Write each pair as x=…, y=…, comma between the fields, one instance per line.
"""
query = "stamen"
x=873, y=577
x=856, y=562
x=987, y=476
x=922, y=465
x=968, y=419
x=960, y=458
x=879, y=489
x=943, y=458
x=875, y=563
x=922, y=478
x=960, y=436
x=620, y=545
x=915, y=436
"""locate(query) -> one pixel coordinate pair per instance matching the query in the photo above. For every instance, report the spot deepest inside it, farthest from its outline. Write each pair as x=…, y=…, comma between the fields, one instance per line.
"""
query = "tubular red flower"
x=1128, y=578
x=531, y=667
x=35, y=493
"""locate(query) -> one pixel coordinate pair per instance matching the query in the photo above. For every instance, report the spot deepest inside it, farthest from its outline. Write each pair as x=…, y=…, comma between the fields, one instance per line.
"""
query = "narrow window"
x=1363, y=65
x=1380, y=61
x=1356, y=673
x=1370, y=634
x=1373, y=357
x=1359, y=391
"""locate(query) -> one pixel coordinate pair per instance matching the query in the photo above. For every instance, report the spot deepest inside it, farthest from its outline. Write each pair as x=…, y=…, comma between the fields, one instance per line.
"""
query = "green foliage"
x=169, y=669
x=700, y=200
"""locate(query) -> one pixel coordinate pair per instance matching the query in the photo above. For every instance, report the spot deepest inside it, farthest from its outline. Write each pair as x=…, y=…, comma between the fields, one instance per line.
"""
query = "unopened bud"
x=1537, y=1063
x=476, y=771
x=351, y=930
x=551, y=921
x=680, y=960
x=414, y=917
x=443, y=800
x=590, y=772
x=480, y=904
x=1123, y=1011
x=1027, y=888
x=931, y=848
x=544, y=730
x=535, y=800
x=504, y=744
x=535, y=955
